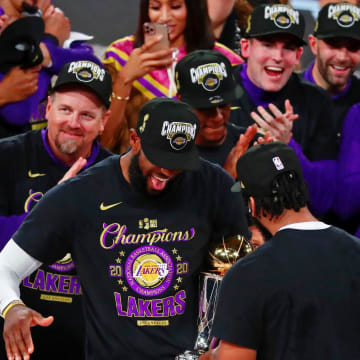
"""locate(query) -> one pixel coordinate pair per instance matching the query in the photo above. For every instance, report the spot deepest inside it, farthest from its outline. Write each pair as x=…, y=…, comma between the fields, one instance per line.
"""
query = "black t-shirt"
x=138, y=257
x=54, y=289
x=295, y=298
x=314, y=130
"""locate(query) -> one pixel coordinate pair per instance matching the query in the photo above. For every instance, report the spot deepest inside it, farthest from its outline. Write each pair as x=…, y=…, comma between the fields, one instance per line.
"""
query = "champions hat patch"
x=204, y=79
x=276, y=19
x=167, y=129
x=338, y=20
x=89, y=75
x=179, y=134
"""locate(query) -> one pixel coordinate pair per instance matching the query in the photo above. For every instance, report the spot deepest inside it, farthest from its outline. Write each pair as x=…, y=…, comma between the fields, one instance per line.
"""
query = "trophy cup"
x=222, y=257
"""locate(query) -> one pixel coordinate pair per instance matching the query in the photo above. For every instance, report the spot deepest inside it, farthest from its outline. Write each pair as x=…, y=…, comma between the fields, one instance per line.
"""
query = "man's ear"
x=251, y=205
x=313, y=44
x=48, y=107
x=245, y=43
x=134, y=141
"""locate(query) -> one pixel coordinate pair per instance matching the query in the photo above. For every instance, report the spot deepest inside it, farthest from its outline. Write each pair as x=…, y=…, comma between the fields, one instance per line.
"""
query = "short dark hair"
x=289, y=191
x=198, y=33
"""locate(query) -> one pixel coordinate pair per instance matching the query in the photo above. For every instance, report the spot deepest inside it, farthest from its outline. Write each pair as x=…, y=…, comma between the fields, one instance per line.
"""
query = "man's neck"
x=286, y=218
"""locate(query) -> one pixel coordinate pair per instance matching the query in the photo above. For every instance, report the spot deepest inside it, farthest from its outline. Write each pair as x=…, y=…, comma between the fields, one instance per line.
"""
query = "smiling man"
x=272, y=45
x=35, y=162
x=336, y=46
x=139, y=227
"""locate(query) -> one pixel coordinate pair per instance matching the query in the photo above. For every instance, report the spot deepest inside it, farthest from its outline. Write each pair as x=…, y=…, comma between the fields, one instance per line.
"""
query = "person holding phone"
x=140, y=72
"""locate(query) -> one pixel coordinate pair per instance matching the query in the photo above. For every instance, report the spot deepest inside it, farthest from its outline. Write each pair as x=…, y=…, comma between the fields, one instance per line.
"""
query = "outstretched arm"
x=15, y=265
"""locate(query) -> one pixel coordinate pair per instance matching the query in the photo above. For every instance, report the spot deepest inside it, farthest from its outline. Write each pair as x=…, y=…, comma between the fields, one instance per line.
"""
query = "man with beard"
x=33, y=163
x=296, y=296
x=336, y=46
x=138, y=226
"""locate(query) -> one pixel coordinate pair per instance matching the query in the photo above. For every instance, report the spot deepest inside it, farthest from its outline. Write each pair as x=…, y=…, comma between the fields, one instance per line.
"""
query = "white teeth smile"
x=273, y=68
x=159, y=178
x=337, y=67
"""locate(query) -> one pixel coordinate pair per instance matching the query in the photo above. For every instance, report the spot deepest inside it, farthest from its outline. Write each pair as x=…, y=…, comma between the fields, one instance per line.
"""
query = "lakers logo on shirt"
x=149, y=270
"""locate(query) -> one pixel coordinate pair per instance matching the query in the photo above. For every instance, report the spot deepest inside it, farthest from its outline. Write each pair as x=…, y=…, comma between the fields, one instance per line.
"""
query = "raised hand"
x=278, y=124
x=57, y=24
x=74, y=169
x=240, y=147
x=142, y=60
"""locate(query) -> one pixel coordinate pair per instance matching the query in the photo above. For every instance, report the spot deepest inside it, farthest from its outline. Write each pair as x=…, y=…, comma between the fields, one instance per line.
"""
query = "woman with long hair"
x=140, y=73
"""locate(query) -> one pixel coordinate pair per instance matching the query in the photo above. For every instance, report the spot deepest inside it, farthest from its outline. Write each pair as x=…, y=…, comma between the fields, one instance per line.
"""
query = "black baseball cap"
x=204, y=79
x=338, y=20
x=89, y=75
x=167, y=129
x=261, y=164
x=20, y=44
x=276, y=19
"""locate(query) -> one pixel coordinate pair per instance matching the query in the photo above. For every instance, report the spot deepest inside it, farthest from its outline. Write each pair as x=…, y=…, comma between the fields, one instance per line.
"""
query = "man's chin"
x=69, y=147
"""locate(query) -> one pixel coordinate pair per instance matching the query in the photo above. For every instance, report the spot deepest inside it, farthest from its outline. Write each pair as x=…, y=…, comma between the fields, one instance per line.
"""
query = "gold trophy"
x=222, y=257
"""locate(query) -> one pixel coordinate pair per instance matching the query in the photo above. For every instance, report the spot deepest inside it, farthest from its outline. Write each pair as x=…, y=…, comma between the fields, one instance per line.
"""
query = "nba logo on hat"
x=278, y=163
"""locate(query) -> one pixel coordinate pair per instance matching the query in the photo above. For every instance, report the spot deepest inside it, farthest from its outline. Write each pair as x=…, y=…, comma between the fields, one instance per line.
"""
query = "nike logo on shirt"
x=107, y=207
x=34, y=175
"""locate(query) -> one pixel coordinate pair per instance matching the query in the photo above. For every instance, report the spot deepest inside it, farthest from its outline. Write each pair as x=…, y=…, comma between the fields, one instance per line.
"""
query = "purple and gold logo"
x=149, y=270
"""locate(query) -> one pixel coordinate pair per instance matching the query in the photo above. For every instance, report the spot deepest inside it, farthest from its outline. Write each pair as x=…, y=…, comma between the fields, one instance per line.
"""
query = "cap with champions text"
x=261, y=164
x=20, y=44
x=89, y=75
x=338, y=20
x=204, y=79
x=276, y=19
x=167, y=129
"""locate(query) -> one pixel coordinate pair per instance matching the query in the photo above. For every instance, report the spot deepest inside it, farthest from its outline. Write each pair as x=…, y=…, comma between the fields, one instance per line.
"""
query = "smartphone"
x=154, y=29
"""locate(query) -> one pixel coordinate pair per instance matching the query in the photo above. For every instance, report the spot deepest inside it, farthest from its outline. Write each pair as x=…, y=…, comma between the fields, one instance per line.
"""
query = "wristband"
x=11, y=305
x=118, y=97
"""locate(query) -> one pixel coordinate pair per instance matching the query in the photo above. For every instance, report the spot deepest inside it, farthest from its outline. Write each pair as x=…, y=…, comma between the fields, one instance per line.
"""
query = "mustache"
x=72, y=131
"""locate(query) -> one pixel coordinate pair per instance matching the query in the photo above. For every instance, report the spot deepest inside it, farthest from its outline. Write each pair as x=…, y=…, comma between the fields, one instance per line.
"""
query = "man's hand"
x=75, y=168
x=277, y=123
x=19, y=84
x=17, y=334
x=240, y=147
x=57, y=24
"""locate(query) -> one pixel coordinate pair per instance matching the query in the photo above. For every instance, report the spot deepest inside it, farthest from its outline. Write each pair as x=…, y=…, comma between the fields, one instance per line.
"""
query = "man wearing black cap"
x=36, y=161
x=297, y=296
x=24, y=109
x=336, y=46
x=205, y=80
x=333, y=185
x=272, y=45
x=138, y=227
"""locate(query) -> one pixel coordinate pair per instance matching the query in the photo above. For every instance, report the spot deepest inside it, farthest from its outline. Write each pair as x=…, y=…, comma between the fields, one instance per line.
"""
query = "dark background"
x=106, y=20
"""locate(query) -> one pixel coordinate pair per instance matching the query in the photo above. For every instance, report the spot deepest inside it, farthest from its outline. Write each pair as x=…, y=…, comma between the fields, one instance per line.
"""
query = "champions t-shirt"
x=138, y=256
